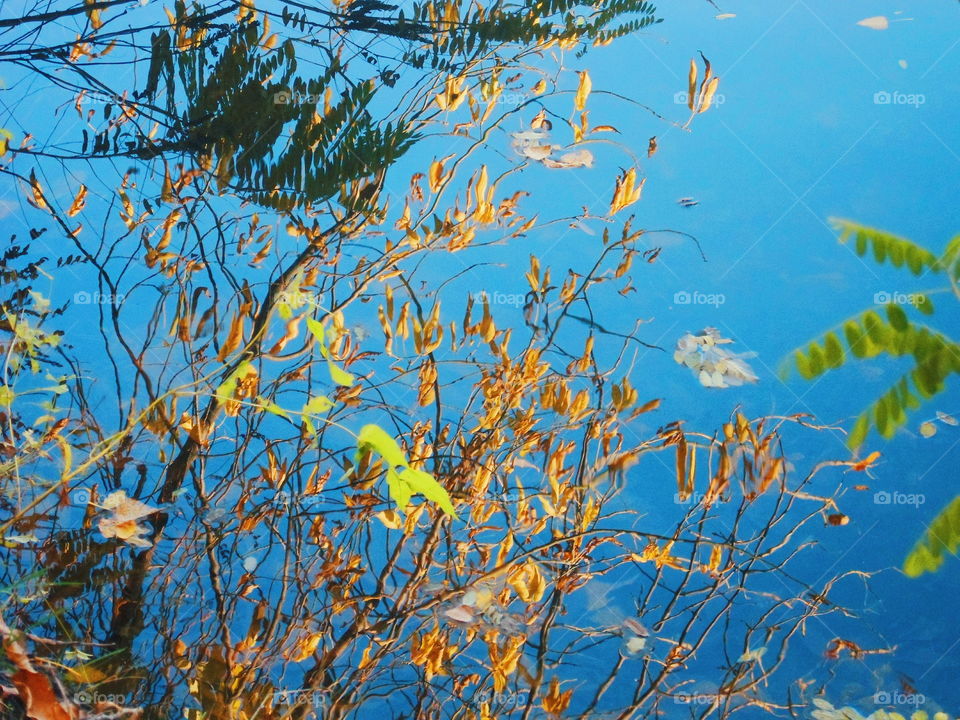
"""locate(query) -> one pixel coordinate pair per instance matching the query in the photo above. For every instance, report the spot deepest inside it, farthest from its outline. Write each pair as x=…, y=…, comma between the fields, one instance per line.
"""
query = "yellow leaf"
x=708, y=94
x=626, y=192
x=583, y=90
x=234, y=337
x=692, y=84
x=555, y=702
x=305, y=647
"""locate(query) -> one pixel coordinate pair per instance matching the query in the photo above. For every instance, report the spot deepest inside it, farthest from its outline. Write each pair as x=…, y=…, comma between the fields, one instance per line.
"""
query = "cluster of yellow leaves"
x=528, y=582
x=304, y=647
x=503, y=658
x=743, y=445
x=432, y=651
x=699, y=101
x=555, y=702
x=659, y=556
x=627, y=191
x=453, y=94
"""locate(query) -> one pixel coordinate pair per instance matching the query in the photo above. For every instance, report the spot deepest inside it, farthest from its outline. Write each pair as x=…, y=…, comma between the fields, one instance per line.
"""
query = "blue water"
x=798, y=134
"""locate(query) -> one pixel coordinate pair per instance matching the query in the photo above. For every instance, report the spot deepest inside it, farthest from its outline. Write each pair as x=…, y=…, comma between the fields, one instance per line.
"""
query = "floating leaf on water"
x=753, y=655
x=877, y=22
x=122, y=522
x=726, y=16
x=714, y=366
x=928, y=429
x=460, y=613
x=947, y=419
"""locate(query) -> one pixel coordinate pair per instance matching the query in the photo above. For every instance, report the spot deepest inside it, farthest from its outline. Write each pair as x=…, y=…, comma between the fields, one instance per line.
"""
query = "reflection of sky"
x=796, y=136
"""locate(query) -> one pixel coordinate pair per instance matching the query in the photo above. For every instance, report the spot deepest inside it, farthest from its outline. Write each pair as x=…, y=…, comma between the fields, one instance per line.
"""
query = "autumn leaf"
x=626, y=192
x=122, y=521
x=555, y=702
x=583, y=91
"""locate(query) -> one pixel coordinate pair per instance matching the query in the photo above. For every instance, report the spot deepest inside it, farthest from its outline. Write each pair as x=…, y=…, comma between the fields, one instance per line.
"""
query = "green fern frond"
x=886, y=247
x=943, y=536
x=935, y=358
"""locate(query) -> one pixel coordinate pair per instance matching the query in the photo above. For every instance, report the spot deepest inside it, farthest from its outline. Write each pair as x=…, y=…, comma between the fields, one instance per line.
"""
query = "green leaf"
x=860, y=430
x=406, y=482
x=339, y=375
x=803, y=366
x=943, y=535
x=319, y=333
x=882, y=418
x=897, y=317
x=374, y=437
x=400, y=492
x=273, y=408
x=924, y=305
x=228, y=387
x=425, y=484
x=818, y=362
x=833, y=350
x=317, y=405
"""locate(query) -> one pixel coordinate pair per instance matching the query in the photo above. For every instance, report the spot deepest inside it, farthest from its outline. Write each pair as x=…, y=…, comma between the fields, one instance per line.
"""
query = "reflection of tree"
x=236, y=245
x=934, y=357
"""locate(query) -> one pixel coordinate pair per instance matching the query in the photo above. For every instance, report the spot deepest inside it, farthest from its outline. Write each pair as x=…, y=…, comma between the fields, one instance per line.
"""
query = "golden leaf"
x=555, y=702
x=234, y=337
x=692, y=85
x=626, y=192
x=708, y=94
x=583, y=90
x=78, y=202
x=305, y=646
